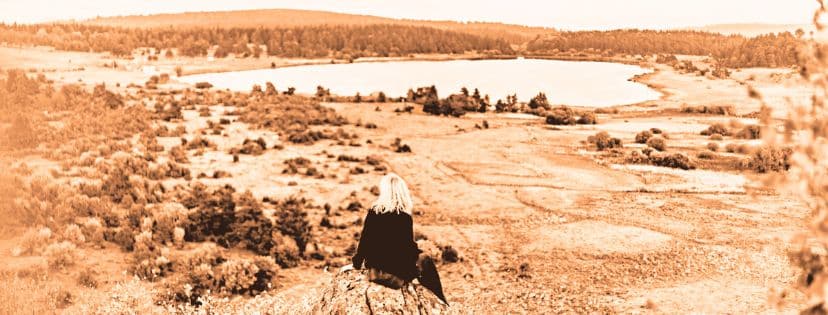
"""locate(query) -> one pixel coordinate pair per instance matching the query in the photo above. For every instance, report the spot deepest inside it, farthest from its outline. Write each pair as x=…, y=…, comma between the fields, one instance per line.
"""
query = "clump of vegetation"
x=717, y=128
x=61, y=255
x=203, y=85
x=252, y=147
x=200, y=143
x=603, y=141
x=297, y=165
x=561, y=115
x=292, y=221
x=673, y=160
x=726, y=110
x=449, y=254
x=657, y=143
x=399, y=147
x=712, y=146
x=643, y=136
x=87, y=278
x=769, y=159
x=293, y=118
x=749, y=132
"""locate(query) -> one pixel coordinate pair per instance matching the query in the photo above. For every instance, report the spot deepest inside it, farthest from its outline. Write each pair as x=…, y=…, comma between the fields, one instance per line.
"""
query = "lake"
x=576, y=83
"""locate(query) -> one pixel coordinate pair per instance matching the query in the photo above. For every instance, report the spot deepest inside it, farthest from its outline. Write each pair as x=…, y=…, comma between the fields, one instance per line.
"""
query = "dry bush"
x=93, y=230
x=292, y=221
x=87, y=278
x=726, y=110
x=292, y=117
x=643, y=136
x=769, y=159
x=252, y=147
x=717, y=128
x=716, y=137
x=707, y=155
x=61, y=255
x=712, y=146
x=673, y=160
x=27, y=295
x=561, y=115
x=73, y=234
x=749, y=132
x=33, y=241
x=603, y=141
x=203, y=85
x=657, y=143
x=738, y=148
x=200, y=143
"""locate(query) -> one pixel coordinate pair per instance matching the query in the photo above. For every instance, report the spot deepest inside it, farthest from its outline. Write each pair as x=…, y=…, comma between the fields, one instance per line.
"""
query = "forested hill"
x=335, y=41
x=514, y=34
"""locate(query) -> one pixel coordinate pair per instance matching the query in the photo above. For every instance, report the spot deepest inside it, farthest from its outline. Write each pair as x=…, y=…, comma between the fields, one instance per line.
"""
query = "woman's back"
x=387, y=244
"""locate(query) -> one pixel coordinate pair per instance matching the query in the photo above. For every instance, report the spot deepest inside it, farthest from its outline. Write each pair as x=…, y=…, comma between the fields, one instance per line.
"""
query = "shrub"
x=707, y=155
x=87, y=278
x=61, y=255
x=449, y=254
x=716, y=137
x=750, y=132
x=73, y=234
x=292, y=221
x=94, y=231
x=561, y=115
x=712, y=146
x=769, y=159
x=245, y=276
x=657, y=143
x=33, y=241
x=643, y=136
x=710, y=109
x=587, y=118
x=674, y=160
x=203, y=85
x=603, y=141
x=716, y=128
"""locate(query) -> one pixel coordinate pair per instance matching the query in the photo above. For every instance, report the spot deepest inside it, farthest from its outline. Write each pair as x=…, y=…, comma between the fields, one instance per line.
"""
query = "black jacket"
x=387, y=243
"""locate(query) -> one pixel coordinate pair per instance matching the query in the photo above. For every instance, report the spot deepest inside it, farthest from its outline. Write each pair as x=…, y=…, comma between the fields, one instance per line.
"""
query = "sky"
x=562, y=14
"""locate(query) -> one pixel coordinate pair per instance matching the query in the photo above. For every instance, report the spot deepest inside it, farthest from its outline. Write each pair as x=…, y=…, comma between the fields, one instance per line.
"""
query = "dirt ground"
x=540, y=223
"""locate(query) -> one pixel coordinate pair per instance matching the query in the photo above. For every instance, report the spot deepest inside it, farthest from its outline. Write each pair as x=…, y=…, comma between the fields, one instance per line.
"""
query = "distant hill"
x=514, y=34
x=753, y=29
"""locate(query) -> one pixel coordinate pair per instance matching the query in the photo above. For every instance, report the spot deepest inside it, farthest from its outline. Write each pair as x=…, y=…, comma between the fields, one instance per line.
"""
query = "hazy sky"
x=566, y=14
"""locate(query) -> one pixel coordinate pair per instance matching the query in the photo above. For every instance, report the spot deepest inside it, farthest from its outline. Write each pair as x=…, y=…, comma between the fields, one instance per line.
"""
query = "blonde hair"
x=394, y=196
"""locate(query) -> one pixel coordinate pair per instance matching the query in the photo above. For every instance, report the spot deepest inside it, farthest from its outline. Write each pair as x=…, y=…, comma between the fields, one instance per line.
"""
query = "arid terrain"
x=542, y=222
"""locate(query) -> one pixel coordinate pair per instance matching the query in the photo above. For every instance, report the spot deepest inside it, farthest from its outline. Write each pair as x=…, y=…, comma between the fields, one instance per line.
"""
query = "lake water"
x=576, y=83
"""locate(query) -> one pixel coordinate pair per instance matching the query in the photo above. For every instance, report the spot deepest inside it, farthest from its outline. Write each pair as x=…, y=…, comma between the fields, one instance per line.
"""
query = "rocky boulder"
x=352, y=293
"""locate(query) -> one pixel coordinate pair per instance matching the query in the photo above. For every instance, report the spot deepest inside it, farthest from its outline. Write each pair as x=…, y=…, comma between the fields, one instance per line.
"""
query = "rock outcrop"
x=352, y=293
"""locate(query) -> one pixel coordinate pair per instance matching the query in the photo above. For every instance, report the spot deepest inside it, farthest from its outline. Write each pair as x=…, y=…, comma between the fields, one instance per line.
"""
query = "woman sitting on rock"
x=386, y=245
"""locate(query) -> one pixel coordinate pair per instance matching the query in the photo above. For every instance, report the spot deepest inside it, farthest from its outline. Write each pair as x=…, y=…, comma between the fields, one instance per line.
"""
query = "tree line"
x=305, y=41
x=383, y=40
x=771, y=50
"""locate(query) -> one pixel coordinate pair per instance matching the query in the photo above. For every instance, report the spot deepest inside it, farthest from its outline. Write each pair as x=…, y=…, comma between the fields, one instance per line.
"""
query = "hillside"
x=290, y=18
